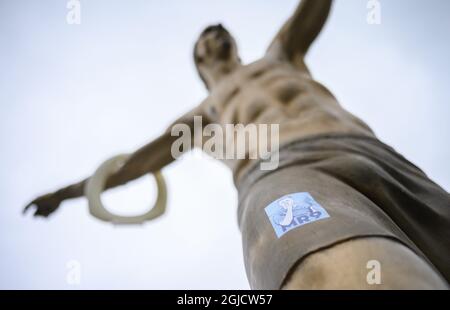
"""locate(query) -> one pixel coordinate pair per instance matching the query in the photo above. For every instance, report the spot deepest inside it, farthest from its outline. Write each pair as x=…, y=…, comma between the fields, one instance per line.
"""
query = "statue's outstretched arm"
x=150, y=158
x=300, y=31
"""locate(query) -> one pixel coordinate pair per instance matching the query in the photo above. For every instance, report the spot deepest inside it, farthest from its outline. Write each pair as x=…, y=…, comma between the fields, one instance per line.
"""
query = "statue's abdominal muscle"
x=288, y=97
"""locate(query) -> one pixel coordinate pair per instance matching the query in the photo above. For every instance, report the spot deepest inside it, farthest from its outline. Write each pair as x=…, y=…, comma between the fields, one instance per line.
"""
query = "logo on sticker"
x=292, y=211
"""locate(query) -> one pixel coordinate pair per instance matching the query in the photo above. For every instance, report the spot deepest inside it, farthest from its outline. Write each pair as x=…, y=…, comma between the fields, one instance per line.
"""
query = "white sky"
x=72, y=96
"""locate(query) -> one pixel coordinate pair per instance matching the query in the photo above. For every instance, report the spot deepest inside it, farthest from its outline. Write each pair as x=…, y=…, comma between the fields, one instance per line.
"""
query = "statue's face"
x=215, y=47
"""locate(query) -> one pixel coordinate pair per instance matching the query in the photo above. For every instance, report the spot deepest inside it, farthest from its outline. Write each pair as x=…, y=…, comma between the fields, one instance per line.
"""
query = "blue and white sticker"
x=294, y=210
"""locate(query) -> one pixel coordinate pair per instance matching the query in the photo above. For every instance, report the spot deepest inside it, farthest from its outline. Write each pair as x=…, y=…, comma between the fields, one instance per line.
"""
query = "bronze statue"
x=379, y=207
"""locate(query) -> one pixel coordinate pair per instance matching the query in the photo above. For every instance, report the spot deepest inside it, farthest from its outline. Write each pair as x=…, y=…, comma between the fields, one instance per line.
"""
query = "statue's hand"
x=45, y=205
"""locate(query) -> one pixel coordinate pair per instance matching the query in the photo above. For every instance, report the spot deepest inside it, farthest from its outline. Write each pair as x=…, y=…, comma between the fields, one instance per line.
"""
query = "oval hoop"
x=96, y=185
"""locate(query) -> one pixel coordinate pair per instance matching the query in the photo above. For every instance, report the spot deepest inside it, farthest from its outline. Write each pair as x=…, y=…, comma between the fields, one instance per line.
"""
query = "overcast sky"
x=72, y=96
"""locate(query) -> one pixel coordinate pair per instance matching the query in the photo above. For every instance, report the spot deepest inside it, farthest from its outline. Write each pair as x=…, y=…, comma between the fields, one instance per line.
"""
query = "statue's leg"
x=329, y=248
x=364, y=263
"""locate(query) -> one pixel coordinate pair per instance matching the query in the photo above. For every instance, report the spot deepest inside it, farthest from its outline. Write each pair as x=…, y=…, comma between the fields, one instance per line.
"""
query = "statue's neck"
x=218, y=72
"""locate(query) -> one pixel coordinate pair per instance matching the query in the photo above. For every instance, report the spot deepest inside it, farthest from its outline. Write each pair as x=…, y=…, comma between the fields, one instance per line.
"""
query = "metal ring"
x=96, y=185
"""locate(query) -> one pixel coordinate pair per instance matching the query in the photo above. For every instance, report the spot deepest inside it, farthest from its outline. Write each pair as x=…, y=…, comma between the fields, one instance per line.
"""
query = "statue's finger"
x=27, y=207
x=44, y=211
x=40, y=212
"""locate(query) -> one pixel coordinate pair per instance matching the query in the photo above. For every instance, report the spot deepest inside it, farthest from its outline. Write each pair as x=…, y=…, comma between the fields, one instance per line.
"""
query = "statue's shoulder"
x=259, y=67
x=236, y=82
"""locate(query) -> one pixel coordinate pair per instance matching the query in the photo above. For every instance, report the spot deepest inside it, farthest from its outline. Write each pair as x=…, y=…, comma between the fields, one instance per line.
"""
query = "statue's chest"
x=245, y=100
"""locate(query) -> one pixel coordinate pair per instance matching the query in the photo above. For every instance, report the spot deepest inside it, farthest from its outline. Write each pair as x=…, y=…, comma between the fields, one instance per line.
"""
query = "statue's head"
x=215, y=54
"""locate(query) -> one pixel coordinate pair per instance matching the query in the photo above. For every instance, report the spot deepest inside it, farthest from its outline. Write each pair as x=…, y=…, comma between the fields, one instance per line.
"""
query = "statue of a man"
x=354, y=202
